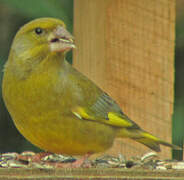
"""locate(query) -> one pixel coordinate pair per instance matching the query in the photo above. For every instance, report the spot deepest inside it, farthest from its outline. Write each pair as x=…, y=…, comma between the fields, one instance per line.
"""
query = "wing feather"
x=105, y=110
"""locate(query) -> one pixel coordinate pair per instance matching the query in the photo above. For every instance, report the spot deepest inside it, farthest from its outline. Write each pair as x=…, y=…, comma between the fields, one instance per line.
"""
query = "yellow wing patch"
x=113, y=119
x=79, y=111
x=116, y=120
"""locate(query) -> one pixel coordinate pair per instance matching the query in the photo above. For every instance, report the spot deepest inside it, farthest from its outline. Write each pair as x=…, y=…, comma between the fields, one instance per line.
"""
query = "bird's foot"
x=82, y=162
x=26, y=156
x=79, y=163
x=29, y=157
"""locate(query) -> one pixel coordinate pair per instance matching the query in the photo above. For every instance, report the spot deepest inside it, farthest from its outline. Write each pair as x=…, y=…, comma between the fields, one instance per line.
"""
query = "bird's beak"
x=61, y=40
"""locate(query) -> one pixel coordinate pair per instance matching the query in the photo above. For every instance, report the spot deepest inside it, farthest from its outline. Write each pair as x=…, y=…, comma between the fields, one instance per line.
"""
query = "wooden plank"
x=127, y=48
x=93, y=173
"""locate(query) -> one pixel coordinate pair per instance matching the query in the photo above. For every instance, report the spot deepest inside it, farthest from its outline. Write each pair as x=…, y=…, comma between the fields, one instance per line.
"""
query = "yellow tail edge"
x=153, y=142
x=146, y=138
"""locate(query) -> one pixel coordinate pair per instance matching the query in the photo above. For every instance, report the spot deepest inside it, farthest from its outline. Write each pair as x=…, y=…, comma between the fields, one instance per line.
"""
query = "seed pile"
x=147, y=161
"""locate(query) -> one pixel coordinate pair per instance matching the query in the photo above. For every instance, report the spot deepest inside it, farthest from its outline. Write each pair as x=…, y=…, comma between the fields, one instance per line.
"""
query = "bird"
x=56, y=107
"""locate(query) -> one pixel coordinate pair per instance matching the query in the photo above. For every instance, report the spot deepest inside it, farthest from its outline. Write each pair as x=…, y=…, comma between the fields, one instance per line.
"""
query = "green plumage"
x=56, y=107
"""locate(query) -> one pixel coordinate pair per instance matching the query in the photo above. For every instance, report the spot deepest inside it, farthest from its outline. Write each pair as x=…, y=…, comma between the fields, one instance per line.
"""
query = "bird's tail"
x=146, y=138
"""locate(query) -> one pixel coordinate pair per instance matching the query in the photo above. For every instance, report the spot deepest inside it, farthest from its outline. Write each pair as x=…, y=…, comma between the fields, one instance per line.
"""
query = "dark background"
x=15, y=13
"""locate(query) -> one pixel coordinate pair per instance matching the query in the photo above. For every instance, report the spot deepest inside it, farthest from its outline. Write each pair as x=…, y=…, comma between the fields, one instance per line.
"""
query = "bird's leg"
x=77, y=164
x=80, y=162
x=38, y=157
x=33, y=158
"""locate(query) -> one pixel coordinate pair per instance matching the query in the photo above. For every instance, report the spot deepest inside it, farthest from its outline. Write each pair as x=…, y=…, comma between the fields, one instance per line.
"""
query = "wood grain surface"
x=127, y=48
x=92, y=173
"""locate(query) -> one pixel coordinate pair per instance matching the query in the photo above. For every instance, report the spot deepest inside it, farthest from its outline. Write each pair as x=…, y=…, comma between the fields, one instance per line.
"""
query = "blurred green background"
x=178, y=120
x=15, y=13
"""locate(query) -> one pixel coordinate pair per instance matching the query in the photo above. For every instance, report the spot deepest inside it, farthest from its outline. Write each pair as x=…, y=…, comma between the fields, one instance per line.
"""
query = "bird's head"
x=40, y=37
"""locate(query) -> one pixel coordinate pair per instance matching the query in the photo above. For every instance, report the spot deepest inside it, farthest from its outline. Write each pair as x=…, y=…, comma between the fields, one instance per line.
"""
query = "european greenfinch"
x=56, y=107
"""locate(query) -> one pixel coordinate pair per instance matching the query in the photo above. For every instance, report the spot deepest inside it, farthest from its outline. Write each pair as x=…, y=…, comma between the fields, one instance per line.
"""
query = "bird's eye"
x=38, y=30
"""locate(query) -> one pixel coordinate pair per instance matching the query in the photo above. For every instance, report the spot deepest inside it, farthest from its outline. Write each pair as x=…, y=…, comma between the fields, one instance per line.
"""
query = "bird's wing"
x=104, y=110
x=89, y=102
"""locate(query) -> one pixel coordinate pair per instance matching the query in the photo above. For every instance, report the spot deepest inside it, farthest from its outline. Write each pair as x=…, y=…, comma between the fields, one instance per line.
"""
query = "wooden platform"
x=93, y=173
